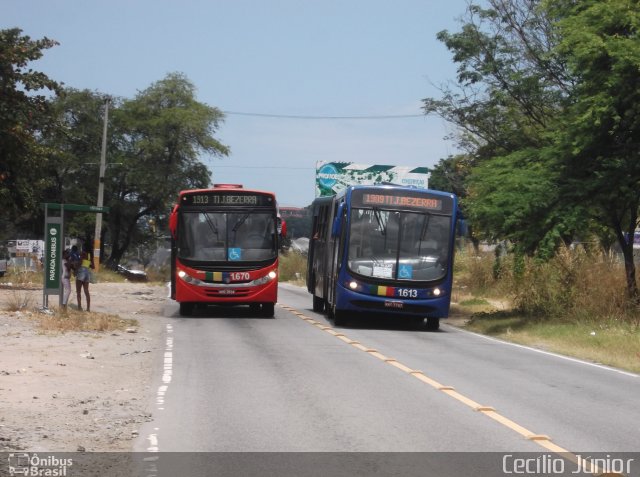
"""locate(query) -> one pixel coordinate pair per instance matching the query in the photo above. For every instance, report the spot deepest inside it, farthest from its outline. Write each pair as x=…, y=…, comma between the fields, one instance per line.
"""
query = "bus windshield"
x=227, y=237
x=399, y=245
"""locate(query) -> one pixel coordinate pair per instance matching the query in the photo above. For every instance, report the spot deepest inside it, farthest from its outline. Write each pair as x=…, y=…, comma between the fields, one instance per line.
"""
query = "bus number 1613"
x=407, y=293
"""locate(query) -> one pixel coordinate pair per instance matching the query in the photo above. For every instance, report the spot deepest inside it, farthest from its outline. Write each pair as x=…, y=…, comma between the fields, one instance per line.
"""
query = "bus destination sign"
x=212, y=199
x=387, y=200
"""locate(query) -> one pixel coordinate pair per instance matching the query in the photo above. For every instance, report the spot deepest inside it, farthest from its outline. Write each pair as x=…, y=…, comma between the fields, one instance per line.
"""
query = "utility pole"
x=103, y=167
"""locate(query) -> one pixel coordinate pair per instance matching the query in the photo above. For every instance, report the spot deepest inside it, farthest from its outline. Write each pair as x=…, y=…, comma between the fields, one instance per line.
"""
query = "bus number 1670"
x=239, y=276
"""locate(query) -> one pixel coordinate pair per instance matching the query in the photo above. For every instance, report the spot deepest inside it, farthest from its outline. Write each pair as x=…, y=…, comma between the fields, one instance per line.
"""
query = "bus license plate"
x=393, y=304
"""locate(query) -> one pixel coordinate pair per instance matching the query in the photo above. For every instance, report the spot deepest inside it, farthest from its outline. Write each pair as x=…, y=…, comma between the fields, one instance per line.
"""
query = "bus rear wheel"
x=318, y=303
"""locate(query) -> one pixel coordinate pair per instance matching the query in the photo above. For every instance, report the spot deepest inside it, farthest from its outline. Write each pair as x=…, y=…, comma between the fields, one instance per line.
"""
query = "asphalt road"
x=231, y=382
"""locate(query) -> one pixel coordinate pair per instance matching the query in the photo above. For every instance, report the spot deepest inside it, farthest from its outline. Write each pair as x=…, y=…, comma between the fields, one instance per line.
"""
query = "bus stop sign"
x=53, y=251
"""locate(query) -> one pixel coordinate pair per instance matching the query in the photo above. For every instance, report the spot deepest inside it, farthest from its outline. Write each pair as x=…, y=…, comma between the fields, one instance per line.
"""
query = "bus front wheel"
x=433, y=324
x=268, y=310
x=339, y=317
x=186, y=309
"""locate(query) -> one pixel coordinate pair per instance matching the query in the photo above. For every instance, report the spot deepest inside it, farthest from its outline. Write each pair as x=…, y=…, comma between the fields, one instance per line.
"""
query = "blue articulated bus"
x=383, y=249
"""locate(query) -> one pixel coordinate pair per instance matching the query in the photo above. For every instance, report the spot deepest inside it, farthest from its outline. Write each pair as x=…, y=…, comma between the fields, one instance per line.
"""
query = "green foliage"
x=161, y=135
x=23, y=116
x=599, y=141
x=547, y=107
x=450, y=174
x=73, y=142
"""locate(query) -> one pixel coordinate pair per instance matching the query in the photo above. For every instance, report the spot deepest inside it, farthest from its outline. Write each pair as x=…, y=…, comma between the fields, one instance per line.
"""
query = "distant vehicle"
x=4, y=256
x=383, y=248
x=224, y=248
x=133, y=275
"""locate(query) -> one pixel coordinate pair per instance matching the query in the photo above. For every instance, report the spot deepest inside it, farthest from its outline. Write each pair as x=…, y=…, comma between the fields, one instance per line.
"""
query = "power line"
x=263, y=167
x=293, y=116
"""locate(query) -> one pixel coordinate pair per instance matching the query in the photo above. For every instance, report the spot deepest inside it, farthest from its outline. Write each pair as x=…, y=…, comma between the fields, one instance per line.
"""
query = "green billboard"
x=332, y=177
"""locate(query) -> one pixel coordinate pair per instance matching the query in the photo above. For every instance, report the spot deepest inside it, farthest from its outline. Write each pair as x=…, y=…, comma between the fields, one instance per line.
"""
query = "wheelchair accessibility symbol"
x=405, y=271
x=235, y=254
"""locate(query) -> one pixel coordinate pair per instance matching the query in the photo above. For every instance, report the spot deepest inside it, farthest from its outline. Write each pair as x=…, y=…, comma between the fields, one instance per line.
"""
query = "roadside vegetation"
x=23, y=298
x=293, y=268
x=574, y=304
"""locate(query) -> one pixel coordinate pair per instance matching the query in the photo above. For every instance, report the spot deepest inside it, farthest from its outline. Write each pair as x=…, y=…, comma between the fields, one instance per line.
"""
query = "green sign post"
x=54, y=242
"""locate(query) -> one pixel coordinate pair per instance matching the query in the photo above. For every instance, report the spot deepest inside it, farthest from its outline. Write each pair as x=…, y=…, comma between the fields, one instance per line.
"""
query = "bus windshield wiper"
x=425, y=224
x=240, y=222
x=211, y=225
x=378, y=216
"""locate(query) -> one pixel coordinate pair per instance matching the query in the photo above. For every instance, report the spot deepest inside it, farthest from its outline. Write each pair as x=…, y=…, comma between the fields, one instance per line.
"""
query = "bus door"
x=338, y=234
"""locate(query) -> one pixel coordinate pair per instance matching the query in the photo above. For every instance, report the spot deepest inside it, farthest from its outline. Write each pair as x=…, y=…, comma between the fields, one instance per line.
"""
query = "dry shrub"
x=292, y=266
x=575, y=285
x=474, y=273
x=19, y=300
x=75, y=320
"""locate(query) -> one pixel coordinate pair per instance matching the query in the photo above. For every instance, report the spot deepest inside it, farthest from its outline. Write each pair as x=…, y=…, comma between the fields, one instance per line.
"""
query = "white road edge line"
x=548, y=353
x=167, y=375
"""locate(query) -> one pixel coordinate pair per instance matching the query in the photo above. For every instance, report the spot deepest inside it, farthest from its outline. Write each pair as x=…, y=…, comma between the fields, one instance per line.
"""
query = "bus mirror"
x=173, y=221
x=282, y=227
x=337, y=221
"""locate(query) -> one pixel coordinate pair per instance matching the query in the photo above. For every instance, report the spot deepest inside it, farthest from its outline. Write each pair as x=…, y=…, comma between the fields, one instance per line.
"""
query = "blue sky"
x=332, y=58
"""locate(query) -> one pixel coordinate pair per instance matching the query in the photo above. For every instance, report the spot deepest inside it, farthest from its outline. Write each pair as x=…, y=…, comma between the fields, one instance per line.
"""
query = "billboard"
x=332, y=177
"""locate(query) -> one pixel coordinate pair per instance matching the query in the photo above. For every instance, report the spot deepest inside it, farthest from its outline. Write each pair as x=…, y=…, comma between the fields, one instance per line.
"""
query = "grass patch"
x=75, y=320
x=475, y=302
x=614, y=342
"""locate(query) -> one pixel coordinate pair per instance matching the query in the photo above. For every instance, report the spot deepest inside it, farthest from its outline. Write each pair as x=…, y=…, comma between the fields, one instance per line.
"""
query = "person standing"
x=66, y=277
x=82, y=279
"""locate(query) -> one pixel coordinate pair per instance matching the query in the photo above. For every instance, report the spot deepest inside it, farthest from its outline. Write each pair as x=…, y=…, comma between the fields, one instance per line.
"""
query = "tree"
x=73, y=145
x=23, y=116
x=161, y=134
x=600, y=141
x=450, y=175
x=510, y=87
x=548, y=111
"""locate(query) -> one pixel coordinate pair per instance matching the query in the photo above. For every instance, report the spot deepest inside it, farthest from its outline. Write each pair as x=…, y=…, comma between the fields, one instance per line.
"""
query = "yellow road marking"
x=541, y=439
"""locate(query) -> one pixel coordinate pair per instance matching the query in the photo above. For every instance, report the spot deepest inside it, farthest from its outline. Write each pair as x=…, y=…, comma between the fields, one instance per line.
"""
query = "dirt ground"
x=78, y=391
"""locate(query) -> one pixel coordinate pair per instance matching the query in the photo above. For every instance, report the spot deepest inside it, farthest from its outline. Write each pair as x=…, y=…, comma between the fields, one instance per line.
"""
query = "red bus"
x=224, y=248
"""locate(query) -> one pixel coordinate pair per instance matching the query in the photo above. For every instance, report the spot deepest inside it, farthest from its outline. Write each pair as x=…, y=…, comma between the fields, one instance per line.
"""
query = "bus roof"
x=225, y=187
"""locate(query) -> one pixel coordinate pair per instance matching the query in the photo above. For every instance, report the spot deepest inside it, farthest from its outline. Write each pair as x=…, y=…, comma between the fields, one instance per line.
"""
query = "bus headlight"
x=188, y=278
x=437, y=292
x=353, y=285
x=267, y=278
